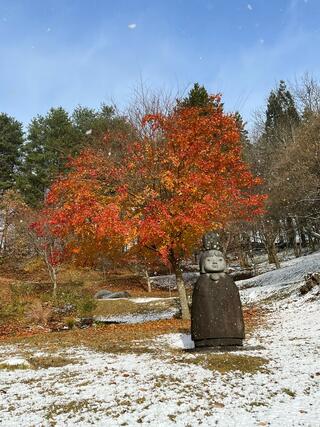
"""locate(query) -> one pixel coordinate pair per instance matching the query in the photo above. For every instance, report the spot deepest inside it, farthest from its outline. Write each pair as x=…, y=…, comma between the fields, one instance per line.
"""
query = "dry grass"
x=50, y=361
x=227, y=362
x=118, y=338
x=127, y=306
x=108, y=338
x=39, y=313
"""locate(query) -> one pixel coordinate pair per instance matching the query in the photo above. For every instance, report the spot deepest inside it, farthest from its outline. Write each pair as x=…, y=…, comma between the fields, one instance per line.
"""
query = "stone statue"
x=216, y=313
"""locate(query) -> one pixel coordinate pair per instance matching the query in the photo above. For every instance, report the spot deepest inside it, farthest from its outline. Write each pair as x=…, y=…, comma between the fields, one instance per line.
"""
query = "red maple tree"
x=182, y=178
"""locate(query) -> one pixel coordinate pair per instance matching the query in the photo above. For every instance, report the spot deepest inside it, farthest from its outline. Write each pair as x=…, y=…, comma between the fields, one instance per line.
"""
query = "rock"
x=115, y=295
x=242, y=275
x=311, y=280
x=85, y=322
x=65, y=309
x=104, y=294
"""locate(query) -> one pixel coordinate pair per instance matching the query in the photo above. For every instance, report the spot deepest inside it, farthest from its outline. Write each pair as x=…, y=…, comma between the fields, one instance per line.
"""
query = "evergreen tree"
x=197, y=97
x=281, y=121
x=11, y=140
x=281, y=116
x=244, y=138
x=51, y=140
x=280, y=128
x=93, y=124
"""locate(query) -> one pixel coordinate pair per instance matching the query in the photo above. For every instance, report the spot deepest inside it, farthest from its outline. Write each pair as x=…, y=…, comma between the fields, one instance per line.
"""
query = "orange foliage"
x=165, y=192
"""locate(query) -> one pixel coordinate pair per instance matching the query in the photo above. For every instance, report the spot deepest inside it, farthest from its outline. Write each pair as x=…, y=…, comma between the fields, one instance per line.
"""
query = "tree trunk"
x=148, y=280
x=292, y=236
x=311, y=242
x=4, y=233
x=272, y=252
x=303, y=239
x=243, y=259
x=52, y=273
x=54, y=280
x=185, y=312
x=273, y=256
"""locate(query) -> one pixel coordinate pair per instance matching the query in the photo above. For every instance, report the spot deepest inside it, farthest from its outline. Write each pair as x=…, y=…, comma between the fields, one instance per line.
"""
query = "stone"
x=311, y=280
x=105, y=294
x=85, y=322
x=216, y=312
x=124, y=294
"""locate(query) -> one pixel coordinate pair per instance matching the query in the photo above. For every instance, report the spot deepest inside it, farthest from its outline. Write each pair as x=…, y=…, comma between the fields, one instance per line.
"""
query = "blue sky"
x=70, y=52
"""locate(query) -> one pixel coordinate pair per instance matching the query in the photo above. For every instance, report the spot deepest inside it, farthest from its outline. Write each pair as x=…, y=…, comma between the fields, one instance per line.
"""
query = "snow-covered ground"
x=167, y=388
x=298, y=267
x=138, y=317
x=291, y=271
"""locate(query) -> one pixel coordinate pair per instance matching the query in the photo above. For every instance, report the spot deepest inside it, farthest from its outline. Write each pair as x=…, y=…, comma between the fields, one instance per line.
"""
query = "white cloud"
x=132, y=26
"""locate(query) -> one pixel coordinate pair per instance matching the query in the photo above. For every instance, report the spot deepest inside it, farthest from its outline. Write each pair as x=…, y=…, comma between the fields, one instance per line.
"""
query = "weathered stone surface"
x=311, y=280
x=102, y=294
x=216, y=313
x=124, y=294
x=105, y=294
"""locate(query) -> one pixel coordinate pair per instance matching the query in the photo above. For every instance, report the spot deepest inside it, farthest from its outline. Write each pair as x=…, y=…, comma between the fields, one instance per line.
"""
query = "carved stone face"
x=213, y=262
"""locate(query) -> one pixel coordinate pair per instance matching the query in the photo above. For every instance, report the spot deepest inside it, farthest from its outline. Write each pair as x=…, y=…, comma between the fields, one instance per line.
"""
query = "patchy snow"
x=291, y=271
x=139, y=317
x=183, y=341
x=166, y=389
x=149, y=299
x=15, y=362
x=169, y=282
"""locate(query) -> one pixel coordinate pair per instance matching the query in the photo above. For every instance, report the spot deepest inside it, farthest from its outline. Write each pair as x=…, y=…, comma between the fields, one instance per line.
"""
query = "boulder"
x=104, y=294
x=311, y=280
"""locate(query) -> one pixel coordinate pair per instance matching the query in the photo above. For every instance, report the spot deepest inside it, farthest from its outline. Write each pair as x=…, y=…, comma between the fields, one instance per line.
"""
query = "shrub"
x=39, y=312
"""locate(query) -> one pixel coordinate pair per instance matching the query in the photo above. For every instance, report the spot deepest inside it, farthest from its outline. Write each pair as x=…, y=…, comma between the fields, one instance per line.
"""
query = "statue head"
x=212, y=262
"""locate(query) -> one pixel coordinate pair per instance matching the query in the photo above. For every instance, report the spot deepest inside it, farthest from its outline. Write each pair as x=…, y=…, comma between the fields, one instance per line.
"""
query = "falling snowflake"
x=132, y=26
x=89, y=132
x=249, y=6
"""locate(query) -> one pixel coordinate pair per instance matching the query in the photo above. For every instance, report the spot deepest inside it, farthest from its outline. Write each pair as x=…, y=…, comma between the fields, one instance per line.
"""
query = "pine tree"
x=281, y=125
x=197, y=97
x=281, y=116
x=11, y=140
x=51, y=139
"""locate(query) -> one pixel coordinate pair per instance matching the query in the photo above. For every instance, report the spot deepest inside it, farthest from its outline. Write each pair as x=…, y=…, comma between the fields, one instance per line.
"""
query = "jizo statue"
x=216, y=313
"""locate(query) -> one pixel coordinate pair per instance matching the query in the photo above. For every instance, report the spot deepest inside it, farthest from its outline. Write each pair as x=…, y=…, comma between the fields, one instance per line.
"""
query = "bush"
x=70, y=322
x=74, y=300
x=39, y=312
